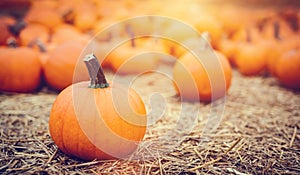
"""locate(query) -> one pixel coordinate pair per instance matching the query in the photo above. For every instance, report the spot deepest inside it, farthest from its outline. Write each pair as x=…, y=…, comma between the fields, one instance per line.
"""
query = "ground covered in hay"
x=259, y=134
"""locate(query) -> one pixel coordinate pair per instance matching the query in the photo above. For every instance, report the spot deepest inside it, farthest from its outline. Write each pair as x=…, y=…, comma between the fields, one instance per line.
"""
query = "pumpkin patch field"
x=149, y=87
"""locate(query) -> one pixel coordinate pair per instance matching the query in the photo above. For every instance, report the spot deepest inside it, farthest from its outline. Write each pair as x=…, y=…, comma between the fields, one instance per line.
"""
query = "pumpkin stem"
x=39, y=44
x=248, y=36
x=291, y=17
x=97, y=76
x=68, y=16
x=16, y=28
x=207, y=37
x=12, y=42
x=131, y=34
x=261, y=24
x=276, y=27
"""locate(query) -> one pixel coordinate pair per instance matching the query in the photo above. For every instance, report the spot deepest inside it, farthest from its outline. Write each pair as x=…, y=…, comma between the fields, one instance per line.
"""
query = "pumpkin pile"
x=268, y=44
x=267, y=40
x=207, y=41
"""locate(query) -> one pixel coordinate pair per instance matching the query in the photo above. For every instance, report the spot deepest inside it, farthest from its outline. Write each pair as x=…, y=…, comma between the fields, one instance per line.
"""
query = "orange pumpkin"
x=20, y=69
x=251, y=58
x=177, y=33
x=288, y=68
x=85, y=16
x=88, y=122
x=209, y=23
x=65, y=32
x=43, y=15
x=60, y=65
x=229, y=48
x=253, y=52
x=101, y=49
x=179, y=49
x=279, y=48
x=132, y=59
x=45, y=4
x=230, y=17
x=193, y=81
x=33, y=32
x=249, y=34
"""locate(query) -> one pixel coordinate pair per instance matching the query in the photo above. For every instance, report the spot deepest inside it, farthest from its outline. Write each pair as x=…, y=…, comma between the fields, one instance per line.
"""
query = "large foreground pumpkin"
x=88, y=122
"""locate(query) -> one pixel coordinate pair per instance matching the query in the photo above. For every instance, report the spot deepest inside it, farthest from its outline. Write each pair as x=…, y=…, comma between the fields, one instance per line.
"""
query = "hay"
x=259, y=134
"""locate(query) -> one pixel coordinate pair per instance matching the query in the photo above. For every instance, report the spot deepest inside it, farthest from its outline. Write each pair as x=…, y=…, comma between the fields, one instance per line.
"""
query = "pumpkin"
x=229, y=48
x=133, y=59
x=101, y=49
x=85, y=16
x=45, y=4
x=175, y=33
x=249, y=34
x=253, y=52
x=105, y=31
x=60, y=65
x=229, y=18
x=283, y=45
x=33, y=32
x=66, y=32
x=192, y=79
x=88, y=122
x=43, y=15
x=206, y=22
x=20, y=69
x=179, y=49
x=251, y=59
x=288, y=68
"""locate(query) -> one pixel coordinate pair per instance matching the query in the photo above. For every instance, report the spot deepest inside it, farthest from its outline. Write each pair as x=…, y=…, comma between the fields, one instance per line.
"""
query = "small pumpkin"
x=177, y=33
x=133, y=59
x=251, y=59
x=229, y=18
x=85, y=15
x=45, y=4
x=33, y=32
x=281, y=46
x=60, y=65
x=252, y=54
x=206, y=22
x=88, y=122
x=66, y=32
x=288, y=68
x=192, y=80
x=20, y=69
x=179, y=49
x=249, y=34
x=43, y=15
x=229, y=48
